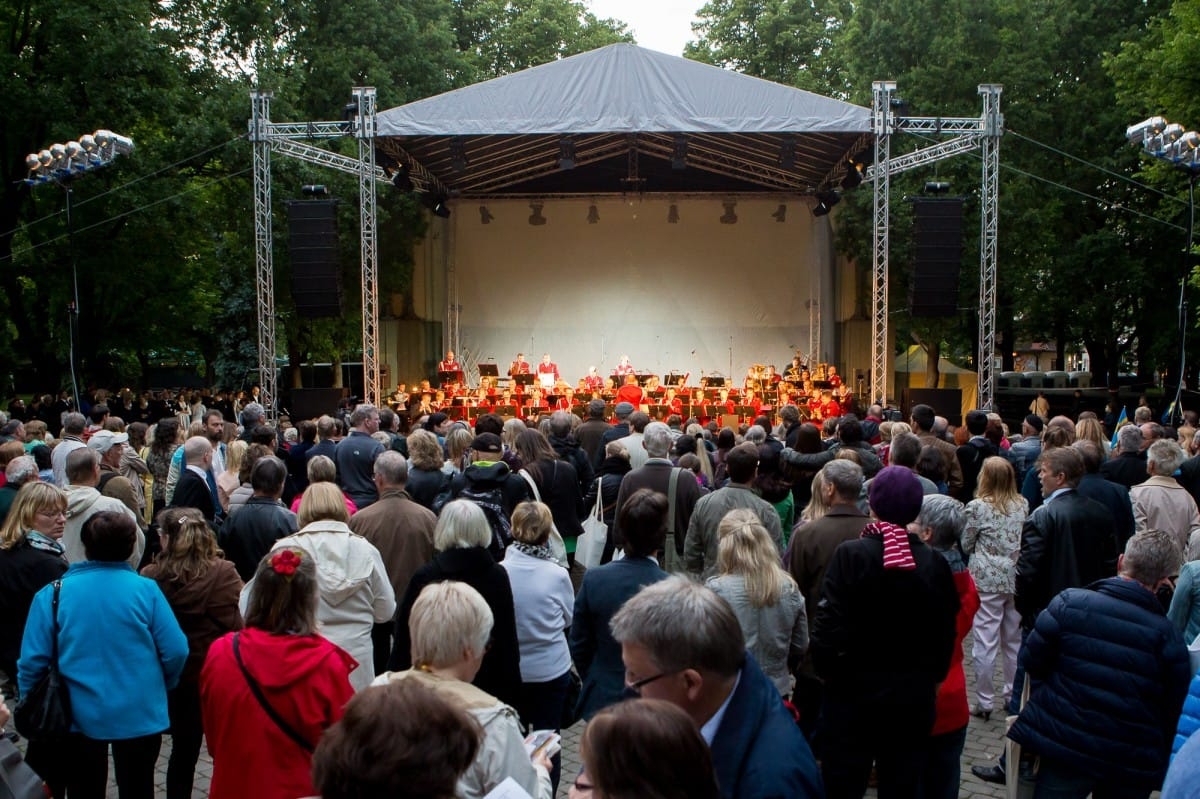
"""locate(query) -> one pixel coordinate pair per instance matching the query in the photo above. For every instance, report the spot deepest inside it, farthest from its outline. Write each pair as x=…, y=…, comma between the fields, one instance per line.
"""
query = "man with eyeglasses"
x=681, y=643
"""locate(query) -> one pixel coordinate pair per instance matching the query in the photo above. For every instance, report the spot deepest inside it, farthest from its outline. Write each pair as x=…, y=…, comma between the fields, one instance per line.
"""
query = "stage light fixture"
x=593, y=214
x=679, y=154
x=673, y=214
x=436, y=204
x=729, y=217
x=1147, y=128
x=825, y=202
x=60, y=162
x=566, y=153
x=1167, y=141
x=787, y=152
x=485, y=216
x=780, y=214
x=854, y=175
x=536, y=218
x=314, y=190
x=402, y=180
x=937, y=186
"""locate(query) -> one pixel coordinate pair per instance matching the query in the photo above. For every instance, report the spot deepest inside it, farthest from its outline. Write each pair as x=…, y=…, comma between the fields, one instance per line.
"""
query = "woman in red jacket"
x=940, y=525
x=269, y=691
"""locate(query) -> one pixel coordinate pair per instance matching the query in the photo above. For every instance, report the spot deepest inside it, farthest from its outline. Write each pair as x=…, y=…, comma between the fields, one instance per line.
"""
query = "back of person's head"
x=322, y=502
x=424, y=450
x=75, y=423
x=755, y=435
x=32, y=499
x=560, y=424
x=931, y=464
x=321, y=469
x=397, y=739
x=531, y=523
x=447, y=620
x=1129, y=439
x=1055, y=437
x=616, y=449
x=595, y=409
x=904, y=450
x=945, y=518
x=1165, y=457
x=643, y=520
x=308, y=431
x=638, y=421
x=20, y=470
x=461, y=525
x=532, y=446
x=109, y=536
x=268, y=475
x=362, y=413
x=808, y=440
x=726, y=438
x=81, y=465
x=997, y=482
x=656, y=439
x=922, y=417
x=391, y=468
x=1065, y=461
x=98, y=412
x=458, y=441
x=1092, y=456
x=846, y=477
x=326, y=427
x=745, y=548
x=195, y=449
x=789, y=415
x=387, y=419
x=850, y=430
x=1151, y=557
x=284, y=598
x=190, y=547
x=647, y=749
x=489, y=423
x=977, y=422
x=742, y=463
x=682, y=625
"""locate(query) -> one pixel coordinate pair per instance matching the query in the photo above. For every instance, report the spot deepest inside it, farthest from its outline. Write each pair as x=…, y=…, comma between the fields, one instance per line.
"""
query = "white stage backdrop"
x=693, y=296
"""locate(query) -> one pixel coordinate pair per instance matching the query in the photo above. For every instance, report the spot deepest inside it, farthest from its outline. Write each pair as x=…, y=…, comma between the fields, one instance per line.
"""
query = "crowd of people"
x=778, y=610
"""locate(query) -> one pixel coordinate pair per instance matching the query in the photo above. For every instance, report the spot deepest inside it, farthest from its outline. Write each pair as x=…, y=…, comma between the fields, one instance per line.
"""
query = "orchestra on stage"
x=529, y=390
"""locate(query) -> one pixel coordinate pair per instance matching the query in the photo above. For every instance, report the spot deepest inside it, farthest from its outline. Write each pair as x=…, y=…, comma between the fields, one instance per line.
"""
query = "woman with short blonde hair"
x=355, y=593
x=765, y=598
x=426, y=480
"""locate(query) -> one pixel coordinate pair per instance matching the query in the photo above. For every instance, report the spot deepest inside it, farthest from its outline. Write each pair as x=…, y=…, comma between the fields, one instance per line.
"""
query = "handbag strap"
x=672, y=484
x=54, y=616
x=598, y=506
x=537, y=495
x=266, y=706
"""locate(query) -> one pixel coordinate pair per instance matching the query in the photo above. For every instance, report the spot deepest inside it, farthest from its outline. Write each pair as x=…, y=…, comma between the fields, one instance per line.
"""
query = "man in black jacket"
x=249, y=533
x=569, y=450
x=1113, y=673
x=1113, y=496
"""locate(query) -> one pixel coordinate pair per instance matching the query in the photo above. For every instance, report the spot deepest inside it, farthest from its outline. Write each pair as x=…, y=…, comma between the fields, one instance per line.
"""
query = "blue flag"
x=1122, y=420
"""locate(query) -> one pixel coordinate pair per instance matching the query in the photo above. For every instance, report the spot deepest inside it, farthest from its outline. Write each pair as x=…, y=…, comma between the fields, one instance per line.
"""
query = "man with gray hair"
x=1160, y=502
x=1112, y=637
x=72, y=439
x=84, y=501
x=1127, y=466
x=20, y=470
x=402, y=530
x=677, y=484
x=253, y=414
x=197, y=486
x=568, y=448
x=355, y=457
x=250, y=533
x=633, y=442
x=681, y=643
x=592, y=430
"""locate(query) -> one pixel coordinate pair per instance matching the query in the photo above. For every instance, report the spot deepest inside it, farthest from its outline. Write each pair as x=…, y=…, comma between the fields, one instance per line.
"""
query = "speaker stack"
x=938, y=240
x=313, y=246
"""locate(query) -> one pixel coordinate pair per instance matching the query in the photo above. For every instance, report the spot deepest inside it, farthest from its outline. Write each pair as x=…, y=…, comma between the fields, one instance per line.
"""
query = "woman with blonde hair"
x=458, y=441
x=353, y=584
x=1091, y=430
x=202, y=589
x=229, y=480
x=425, y=476
x=30, y=558
x=992, y=540
x=765, y=598
x=544, y=601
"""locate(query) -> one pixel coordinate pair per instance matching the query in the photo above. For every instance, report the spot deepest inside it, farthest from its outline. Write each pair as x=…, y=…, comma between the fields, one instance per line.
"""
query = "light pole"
x=1170, y=143
x=61, y=164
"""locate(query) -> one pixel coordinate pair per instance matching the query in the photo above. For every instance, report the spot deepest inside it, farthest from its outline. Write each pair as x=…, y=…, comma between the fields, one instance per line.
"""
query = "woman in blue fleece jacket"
x=119, y=650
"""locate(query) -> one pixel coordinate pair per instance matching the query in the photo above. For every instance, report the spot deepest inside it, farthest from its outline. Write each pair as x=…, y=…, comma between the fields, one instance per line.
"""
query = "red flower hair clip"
x=285, y=562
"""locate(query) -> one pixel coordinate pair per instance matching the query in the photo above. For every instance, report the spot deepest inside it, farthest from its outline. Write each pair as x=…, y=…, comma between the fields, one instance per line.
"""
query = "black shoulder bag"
x=44, y=714
x=266, y=706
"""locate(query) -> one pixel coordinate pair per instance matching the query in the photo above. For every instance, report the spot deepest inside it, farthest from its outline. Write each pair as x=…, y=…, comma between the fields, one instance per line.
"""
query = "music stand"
x=489, y=370
x=660, y=412
x=505, y=411
x=523, y=380
x=450, y=377
x=643, y=378
x=712, y=381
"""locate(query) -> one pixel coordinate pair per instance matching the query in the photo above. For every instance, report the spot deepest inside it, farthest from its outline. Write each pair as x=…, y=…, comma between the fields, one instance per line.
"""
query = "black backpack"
x=491, y=500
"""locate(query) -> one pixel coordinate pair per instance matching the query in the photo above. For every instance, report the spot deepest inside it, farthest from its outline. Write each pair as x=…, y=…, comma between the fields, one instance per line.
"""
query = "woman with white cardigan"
x=544, y=602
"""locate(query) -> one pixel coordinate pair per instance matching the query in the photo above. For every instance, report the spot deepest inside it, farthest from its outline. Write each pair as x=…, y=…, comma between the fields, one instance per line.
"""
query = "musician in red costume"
x=673, y=403
x=548, y=367
x=449, y=363
x=830, y=409
x=631, y=392
x=519, y=367
x=624, y=367
x=833, y=377
x=593, y=381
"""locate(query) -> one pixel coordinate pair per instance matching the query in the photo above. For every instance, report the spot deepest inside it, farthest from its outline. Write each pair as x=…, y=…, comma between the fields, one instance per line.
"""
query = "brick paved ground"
x=982, y=746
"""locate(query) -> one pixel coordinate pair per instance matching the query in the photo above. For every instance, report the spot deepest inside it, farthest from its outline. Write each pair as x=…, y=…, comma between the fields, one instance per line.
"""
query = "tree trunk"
x=933, y=357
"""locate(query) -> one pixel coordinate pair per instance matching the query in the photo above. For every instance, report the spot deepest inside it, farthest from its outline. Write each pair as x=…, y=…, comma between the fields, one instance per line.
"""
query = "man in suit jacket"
x=193, y=489
x=605, y=589
x=922, y=421
x=656, y=475
x=1113, y=496
x=1127, y=466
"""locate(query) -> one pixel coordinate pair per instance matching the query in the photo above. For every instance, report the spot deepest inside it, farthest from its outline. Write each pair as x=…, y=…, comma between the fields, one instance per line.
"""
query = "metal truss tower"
x=288, y=138
x=968, y=133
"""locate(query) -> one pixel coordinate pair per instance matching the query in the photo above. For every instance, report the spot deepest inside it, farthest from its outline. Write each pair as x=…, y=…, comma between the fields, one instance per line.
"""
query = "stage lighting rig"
x=60, y=162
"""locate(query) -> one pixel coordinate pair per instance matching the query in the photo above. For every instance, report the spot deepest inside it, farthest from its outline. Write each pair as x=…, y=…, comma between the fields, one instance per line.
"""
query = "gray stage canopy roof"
x=624, y=113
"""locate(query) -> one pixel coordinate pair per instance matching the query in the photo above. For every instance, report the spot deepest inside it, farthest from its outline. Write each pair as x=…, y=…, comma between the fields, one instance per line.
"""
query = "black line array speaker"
x=313, y=247
x=937, y=262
